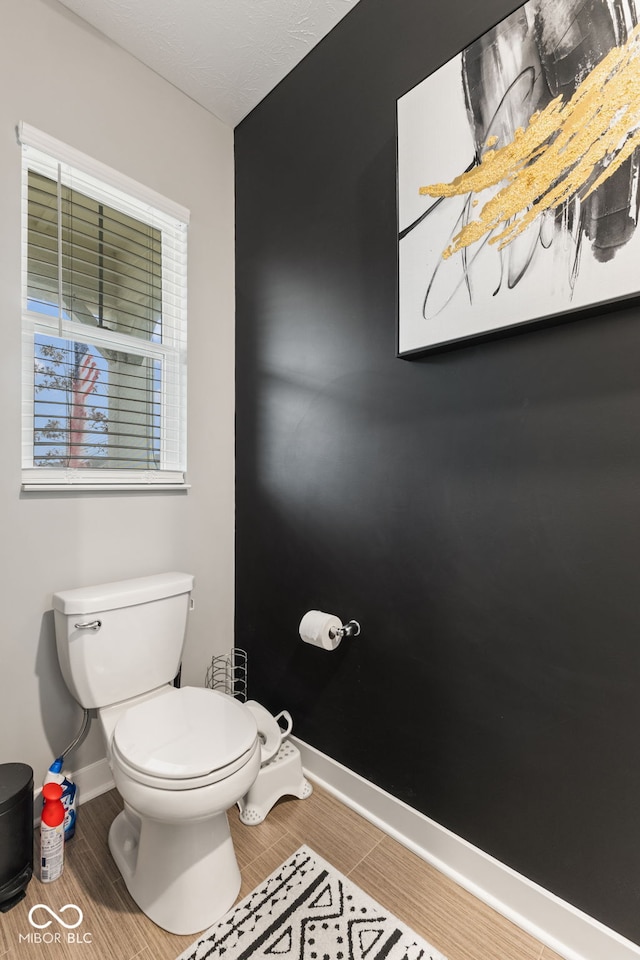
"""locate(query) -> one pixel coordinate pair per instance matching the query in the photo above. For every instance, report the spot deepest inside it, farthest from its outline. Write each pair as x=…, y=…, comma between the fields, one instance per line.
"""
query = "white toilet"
x=180, y=757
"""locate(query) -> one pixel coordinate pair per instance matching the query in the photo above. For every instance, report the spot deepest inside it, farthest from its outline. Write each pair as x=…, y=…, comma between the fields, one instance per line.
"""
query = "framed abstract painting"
x=518, y=170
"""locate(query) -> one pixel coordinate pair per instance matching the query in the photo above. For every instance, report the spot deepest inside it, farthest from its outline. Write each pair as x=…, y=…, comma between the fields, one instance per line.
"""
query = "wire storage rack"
x=228, y=672
x=280, y=774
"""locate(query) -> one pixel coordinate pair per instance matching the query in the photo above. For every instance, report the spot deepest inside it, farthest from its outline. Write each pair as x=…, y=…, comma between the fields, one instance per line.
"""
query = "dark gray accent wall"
x=476, y=510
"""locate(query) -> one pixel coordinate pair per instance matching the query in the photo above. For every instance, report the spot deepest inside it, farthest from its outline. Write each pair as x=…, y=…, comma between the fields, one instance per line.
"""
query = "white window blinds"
x=104, y=325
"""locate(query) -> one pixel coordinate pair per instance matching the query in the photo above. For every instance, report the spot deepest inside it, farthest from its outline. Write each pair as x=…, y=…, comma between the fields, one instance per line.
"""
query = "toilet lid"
x=187, y=732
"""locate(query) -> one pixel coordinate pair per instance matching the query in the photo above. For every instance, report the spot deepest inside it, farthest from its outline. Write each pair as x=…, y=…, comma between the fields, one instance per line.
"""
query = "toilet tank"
x=118, y=640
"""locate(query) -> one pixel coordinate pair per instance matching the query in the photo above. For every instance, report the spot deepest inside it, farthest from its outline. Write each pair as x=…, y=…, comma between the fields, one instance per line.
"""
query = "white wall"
x=61, y=76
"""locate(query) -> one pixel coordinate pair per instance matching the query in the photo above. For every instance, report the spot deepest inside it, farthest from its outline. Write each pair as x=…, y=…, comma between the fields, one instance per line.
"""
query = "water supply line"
x=86, y=719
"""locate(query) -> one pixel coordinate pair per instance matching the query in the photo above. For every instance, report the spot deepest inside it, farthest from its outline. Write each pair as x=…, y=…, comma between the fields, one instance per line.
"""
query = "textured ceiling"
x=225, y=54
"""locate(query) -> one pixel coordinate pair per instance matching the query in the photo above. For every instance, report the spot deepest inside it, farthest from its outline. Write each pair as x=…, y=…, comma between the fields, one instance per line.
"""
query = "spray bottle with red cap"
x=52, y=833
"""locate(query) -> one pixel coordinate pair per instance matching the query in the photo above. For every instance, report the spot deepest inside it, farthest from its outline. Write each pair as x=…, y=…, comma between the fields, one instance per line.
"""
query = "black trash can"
x=16, y=832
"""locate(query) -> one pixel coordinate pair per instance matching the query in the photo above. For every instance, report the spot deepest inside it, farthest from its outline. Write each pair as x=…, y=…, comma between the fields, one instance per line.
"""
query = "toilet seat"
x=270, y=732
x=185, y=738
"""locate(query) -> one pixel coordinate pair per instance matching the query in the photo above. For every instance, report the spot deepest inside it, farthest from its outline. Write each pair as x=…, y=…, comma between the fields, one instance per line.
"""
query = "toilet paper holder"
x=350, y=629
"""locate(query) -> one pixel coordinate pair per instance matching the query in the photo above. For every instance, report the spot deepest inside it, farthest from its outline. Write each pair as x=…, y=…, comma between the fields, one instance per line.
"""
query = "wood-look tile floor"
x=447, y=916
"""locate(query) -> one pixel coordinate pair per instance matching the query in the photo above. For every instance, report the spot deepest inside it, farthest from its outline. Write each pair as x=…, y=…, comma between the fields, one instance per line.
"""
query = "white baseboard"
x=93, y=780
x=560, y=926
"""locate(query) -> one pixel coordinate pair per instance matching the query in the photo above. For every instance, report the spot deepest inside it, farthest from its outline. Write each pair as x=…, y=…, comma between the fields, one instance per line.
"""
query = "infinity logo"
x=47, y=923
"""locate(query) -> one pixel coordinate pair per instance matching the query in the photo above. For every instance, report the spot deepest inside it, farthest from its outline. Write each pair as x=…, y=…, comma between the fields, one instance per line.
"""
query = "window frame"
x=43, y=153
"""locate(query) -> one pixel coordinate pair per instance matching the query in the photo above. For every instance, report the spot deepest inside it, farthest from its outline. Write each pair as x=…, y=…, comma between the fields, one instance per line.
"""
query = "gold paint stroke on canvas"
x=555, y=157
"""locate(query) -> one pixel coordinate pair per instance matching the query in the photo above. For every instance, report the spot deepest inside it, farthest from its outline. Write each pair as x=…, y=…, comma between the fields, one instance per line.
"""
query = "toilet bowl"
x=179, y=760
x=180, y=757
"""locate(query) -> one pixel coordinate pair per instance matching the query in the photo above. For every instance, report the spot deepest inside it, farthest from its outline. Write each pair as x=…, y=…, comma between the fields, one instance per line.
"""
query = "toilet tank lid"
x=122, y=593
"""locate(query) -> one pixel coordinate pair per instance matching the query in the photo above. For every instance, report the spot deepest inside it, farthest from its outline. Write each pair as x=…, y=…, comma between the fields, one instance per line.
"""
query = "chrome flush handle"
x=91, y=625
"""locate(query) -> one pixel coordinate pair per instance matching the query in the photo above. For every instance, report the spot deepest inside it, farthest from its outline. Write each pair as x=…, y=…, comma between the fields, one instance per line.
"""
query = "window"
x=104, y=325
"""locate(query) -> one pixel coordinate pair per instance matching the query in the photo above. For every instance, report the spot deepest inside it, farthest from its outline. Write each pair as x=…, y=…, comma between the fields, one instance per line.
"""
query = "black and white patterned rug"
x=307, y=910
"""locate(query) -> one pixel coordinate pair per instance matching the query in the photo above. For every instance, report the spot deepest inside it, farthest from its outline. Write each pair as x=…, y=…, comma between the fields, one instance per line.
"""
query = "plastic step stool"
x=279, y=777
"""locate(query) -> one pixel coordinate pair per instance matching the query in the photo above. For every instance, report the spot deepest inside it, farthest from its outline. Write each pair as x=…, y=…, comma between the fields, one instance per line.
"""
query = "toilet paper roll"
x=320, y=629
